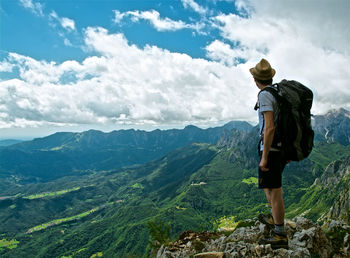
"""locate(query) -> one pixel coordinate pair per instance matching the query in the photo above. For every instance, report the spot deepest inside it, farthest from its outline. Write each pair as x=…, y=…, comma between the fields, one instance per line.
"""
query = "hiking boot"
x=267, y=220
x=278, y=240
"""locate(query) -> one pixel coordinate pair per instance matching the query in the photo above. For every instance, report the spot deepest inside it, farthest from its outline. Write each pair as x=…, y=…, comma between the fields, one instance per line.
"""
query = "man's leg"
x=267, y=193
x=279, y=238
x=276, y=219
x=267, y=219
x=277, y=204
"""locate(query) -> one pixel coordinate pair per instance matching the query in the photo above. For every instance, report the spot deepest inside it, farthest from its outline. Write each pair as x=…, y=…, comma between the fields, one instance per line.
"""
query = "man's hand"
x=263, y=165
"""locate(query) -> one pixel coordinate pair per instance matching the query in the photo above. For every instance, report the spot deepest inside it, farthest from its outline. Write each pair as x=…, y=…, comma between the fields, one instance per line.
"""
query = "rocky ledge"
x=306, y=239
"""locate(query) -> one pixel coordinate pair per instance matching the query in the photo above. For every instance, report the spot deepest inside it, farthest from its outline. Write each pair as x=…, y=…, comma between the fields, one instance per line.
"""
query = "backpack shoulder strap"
x=273, y=91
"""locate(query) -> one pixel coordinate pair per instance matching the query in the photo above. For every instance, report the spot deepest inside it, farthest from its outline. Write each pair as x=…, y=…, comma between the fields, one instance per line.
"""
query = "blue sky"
x=74, y=65
x=39, y=35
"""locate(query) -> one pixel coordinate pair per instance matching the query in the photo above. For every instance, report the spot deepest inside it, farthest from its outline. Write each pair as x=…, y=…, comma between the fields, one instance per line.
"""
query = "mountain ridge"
x=94, y=150
x=188, y=188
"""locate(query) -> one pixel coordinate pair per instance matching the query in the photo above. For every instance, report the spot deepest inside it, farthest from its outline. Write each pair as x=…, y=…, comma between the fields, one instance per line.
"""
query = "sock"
x=280, y=228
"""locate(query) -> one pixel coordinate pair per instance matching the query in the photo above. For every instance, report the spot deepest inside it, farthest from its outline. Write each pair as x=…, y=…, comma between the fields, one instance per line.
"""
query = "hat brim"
x=262, y=77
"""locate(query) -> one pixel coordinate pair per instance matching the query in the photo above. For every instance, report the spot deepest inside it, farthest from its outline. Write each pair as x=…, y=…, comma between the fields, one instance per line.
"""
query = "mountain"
x=67, y=154
x=111, y=212
x=189, y=189
x=135, y=138
x=8, y=142
x=333, y=126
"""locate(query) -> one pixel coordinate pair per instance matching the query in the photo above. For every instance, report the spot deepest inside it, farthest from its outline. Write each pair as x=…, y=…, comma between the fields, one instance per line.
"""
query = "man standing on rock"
x=271, y=162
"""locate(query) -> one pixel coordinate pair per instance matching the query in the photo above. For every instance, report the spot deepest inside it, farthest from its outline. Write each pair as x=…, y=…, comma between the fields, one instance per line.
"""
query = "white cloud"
x=118, y=16
x=124, y=85
x=6, y=66
x=66, y=23
x=36, y=8
x=323, y=22
x=160, y=24
x=244, y=7
x=227, y=55
x=295, y=42
x=194, y=6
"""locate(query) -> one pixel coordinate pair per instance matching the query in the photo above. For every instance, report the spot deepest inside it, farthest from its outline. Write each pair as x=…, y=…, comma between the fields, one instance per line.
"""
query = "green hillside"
x=69, y=154
x=190, y=188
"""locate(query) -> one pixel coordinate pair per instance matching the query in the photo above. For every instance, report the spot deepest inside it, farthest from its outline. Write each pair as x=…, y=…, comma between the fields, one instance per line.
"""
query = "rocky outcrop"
x=341, y=207
x=306, y=239
x=336, y=172
x=336, y=179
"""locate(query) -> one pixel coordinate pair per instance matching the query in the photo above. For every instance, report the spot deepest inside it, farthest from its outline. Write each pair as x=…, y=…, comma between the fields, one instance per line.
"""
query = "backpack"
x=293, y=131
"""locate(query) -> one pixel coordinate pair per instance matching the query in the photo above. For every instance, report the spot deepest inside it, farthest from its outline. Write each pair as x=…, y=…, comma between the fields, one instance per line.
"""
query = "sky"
x=75, y=65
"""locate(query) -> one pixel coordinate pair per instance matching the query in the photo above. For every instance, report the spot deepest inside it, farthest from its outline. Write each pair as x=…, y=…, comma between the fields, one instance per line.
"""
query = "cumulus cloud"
x=6, y=67
x=227, y=55
x=294, y=41
x=323, y=22
x=160, y=24
x=36, y=8
x=66, y=23
x=124, y=84
x=191, y=4
x=121, y=83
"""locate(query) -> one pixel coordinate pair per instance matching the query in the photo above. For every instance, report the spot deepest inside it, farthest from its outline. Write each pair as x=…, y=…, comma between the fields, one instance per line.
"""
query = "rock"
x=302, y=223
x=291, y=224
x=338, y=233
x=306, y=239
x=160, y=251
x=312, y=239
x=210, y=255
x=248, y=235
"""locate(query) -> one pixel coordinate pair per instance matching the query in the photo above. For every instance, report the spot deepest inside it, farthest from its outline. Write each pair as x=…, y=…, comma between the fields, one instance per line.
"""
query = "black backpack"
x=293, y=131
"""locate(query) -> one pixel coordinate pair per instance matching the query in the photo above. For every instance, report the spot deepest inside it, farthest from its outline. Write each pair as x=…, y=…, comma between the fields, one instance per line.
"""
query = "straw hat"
x=263, y=70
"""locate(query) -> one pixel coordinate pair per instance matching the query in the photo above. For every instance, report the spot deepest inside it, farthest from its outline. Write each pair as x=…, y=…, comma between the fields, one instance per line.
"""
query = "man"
x=271, y=163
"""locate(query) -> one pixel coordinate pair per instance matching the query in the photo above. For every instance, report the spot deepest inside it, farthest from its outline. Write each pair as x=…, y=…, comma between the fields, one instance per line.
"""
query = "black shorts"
x=273, y=177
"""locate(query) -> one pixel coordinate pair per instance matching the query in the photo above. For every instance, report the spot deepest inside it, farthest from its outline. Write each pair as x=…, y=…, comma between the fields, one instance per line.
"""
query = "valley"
x=189, y=188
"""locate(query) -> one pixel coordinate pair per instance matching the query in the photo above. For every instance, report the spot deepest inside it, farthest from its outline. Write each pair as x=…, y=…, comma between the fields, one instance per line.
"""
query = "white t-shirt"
x=266, y=102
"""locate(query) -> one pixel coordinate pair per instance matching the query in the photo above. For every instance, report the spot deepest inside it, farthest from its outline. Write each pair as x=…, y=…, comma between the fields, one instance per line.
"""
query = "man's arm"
x=269, y=132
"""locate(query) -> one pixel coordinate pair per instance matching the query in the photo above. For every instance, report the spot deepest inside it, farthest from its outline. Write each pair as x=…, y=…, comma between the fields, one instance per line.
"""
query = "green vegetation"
x=337, y=235
x=10, y=244
x=250, y=180
x=226, y=223
x=159, y=233
x=325, y=153
x=156, y=202
x=137, y=185
x=65, y=220
x=50, y=194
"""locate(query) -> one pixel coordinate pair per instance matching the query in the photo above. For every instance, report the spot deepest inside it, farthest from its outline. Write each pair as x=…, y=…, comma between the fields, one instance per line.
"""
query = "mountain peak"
x=334, y=126
x=191, y=127
x=239, y=125
x=338, y=112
